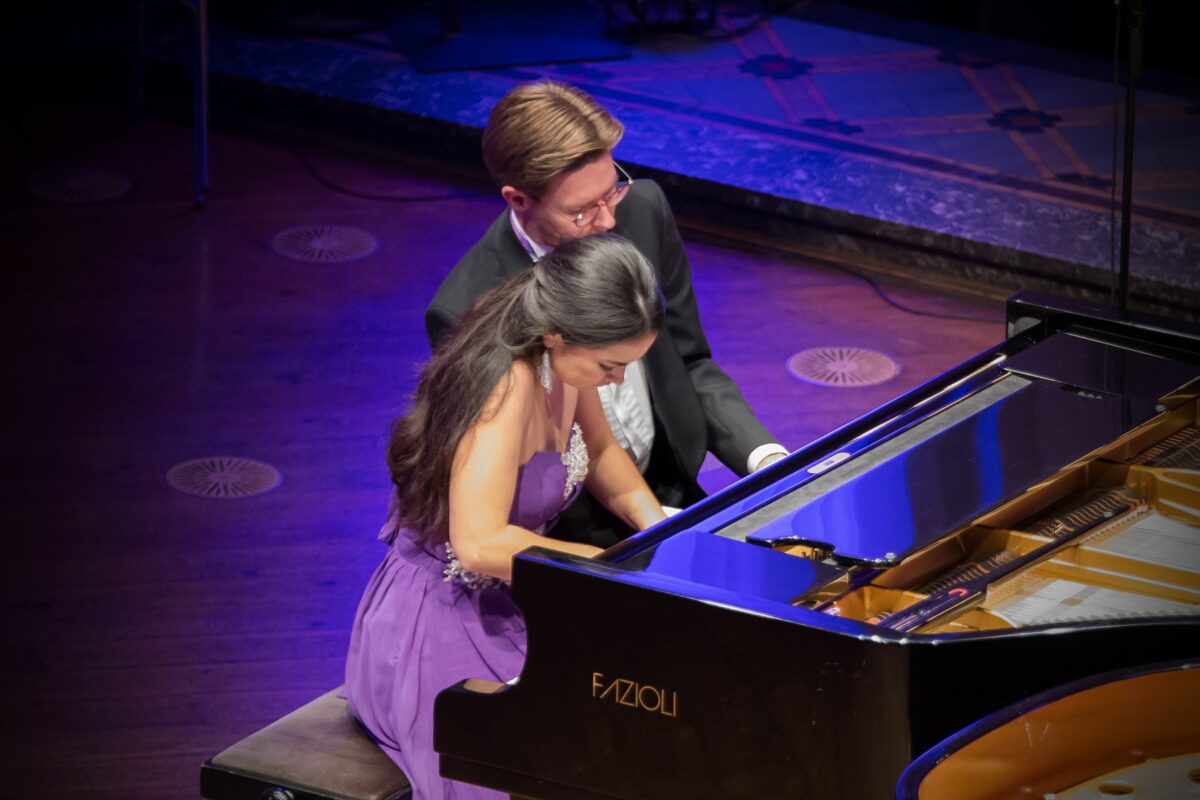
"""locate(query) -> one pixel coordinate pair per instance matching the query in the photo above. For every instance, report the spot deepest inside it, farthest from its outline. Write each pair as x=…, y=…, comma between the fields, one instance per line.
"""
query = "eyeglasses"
x=615, y=195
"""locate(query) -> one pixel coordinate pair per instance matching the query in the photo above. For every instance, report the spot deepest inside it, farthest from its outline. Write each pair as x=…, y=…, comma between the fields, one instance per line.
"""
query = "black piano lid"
x=914, y=489
x=1076, y=359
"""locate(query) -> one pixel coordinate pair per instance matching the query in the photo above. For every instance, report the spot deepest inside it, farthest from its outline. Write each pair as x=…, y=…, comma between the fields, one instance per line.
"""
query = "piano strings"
x=1078, y=516
x=1081, y=514
x=1180, y=450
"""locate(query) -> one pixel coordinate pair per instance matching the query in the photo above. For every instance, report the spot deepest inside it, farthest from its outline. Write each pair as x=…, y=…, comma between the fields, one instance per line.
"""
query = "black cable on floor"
x=874, y=284
x=339, y=189
x=775, y=252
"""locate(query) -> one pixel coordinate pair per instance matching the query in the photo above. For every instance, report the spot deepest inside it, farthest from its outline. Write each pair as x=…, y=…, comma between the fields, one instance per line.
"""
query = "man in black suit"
x=549, y=148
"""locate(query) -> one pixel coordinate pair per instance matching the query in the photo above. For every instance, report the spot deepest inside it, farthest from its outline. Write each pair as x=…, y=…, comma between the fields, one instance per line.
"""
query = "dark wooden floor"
x=145, y=629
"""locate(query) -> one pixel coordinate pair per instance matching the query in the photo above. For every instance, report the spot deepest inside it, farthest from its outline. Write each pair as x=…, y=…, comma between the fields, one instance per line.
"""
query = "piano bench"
x=317, y=752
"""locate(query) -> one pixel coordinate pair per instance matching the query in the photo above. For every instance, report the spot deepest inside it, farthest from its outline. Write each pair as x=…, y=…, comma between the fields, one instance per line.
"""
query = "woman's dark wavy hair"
x=595, y=291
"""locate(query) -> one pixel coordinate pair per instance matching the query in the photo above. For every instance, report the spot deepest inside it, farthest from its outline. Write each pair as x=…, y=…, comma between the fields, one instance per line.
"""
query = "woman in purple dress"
x=505, y=427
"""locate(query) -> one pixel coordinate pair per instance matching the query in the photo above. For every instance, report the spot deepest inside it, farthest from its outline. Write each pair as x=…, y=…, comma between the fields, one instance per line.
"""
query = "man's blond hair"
x=540, y=130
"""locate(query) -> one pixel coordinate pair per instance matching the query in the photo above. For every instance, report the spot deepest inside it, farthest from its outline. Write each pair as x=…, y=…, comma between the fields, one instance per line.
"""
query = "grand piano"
x=1027, y=520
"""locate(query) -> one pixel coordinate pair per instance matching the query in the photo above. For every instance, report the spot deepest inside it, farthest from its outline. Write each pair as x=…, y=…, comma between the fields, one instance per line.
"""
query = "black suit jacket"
x=697, y=407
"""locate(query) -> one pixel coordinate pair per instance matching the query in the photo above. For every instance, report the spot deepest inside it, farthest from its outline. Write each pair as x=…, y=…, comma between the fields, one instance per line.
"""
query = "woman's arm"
x=612, y=476
x=484, y=477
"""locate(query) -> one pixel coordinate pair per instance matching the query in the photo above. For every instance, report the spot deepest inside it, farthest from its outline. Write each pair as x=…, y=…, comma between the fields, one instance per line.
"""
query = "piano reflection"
x=1027, y=520
x=1126, y=733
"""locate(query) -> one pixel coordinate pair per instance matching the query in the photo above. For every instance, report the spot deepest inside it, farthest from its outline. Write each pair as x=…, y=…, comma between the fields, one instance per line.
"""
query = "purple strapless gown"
x=419, y=631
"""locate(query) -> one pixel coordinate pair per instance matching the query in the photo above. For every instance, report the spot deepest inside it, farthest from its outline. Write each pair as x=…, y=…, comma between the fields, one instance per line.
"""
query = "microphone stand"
x=1134, y=10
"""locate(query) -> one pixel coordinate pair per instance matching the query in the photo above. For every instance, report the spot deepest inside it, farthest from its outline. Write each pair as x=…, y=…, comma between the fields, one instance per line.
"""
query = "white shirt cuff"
x=759, y=454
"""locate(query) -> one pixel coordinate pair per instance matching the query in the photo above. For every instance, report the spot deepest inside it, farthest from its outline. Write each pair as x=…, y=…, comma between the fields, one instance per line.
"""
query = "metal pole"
x=1134, y=11
x=200, y=97
x=139, y=59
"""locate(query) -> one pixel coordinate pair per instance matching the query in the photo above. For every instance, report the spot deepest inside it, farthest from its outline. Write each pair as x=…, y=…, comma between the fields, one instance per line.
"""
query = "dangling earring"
x=544, y=374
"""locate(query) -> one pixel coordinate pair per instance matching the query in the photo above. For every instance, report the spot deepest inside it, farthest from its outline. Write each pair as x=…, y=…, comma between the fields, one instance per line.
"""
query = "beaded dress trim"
x=575, y=459
x=467, y=577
